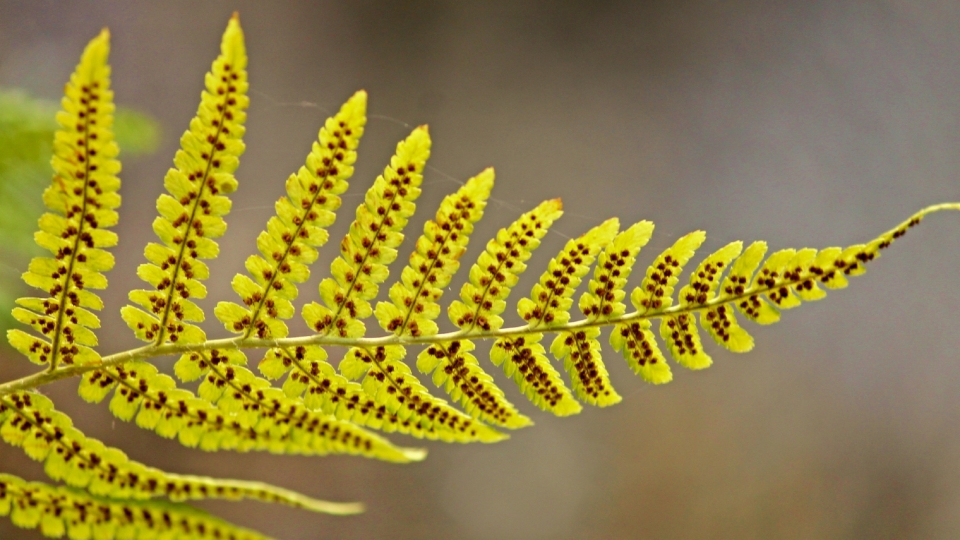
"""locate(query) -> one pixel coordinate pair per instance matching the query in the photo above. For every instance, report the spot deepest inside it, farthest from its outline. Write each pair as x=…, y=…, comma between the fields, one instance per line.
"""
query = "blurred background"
x=801, y=123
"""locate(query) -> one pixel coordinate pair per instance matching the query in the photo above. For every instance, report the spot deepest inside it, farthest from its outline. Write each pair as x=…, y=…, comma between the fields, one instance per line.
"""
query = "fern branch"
x=193, y=216
x=59, y=511
x=29, y=421
x=157, y=404
x=83, y=197
x=151, y=351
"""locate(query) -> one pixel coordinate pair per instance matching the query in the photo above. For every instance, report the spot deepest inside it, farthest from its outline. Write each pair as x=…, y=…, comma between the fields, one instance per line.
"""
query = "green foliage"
x=323, y=407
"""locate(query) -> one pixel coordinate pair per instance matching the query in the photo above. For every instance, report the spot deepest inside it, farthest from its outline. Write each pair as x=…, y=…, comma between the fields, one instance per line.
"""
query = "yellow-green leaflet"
x=498, y=268
x=680, y=332
x=289, y=244
x=323, y=388
x=30, y=422
x=389, y=381
x=458, y=372
x=413, y=307
x=365, y=252
x=191, y=213
x=59, y=511
x=82, y=199
x=371, y=243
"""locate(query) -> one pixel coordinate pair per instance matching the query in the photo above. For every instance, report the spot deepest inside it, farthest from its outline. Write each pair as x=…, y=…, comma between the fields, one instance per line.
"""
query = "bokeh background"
x=800, y=123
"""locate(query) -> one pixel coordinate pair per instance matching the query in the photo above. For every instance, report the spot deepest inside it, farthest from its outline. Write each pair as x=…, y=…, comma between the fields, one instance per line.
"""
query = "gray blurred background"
x=801, y=123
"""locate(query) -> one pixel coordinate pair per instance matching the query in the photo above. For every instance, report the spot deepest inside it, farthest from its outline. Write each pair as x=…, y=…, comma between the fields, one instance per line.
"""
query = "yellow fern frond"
x=82, y=199
x=292, y=236
x=64, y=511
x=29, y=421
x=318, y=406
x=191, y=216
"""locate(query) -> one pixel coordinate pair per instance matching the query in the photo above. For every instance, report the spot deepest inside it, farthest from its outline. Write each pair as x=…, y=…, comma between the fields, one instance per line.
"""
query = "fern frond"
x=292, y=236
x=155, y=402
x=191, y=216
x=322, y=409
x=59, y=511
x=371, y=243
x=82, y=198
x=29, y=421
x=435, y=260
x=523, y=357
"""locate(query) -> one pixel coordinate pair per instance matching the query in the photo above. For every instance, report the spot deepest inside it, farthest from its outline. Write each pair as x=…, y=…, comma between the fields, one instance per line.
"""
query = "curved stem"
x=153, y=350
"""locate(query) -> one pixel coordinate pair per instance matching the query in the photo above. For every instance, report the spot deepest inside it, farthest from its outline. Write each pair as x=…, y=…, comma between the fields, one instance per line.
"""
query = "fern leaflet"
x=65, y=511
x=29, y=421
x=192, y=214
x=82, y=198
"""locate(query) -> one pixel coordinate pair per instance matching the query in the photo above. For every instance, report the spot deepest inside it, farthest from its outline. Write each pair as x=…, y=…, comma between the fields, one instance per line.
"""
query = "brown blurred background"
x=800, y=123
